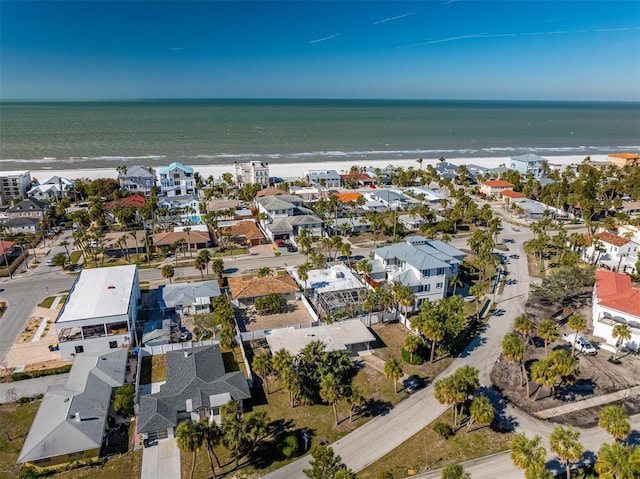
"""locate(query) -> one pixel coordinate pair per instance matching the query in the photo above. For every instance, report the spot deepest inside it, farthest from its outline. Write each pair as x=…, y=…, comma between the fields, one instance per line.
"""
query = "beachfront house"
x=198, y=385
x=137, y=179
x=324, y=178
x=252, y=172
x=624, y=159
x=424, y=265
x=72, y=419
x=177, y=180
x=529, y=164
x=100, y=312
x=14, y=186
x=55, y=188
x=615, y=301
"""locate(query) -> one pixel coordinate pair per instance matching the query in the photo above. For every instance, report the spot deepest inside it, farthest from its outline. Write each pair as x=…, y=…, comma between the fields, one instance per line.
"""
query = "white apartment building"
x=100, y=312
x=253, y=172
x=177, y=180
x=14, y=185
x=325, y=178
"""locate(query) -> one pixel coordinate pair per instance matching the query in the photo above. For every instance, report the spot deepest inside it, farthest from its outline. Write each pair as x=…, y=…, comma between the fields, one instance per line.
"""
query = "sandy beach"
x=290, y=171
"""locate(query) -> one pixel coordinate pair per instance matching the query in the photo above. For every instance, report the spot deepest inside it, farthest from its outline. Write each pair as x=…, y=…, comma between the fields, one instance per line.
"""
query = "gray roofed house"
x=286, y=217
x=422, y=264
x=528, y=164
x=22, y=225
x=197, y=386
x=71, y=420
x=137, y=179
x=188, y=298
x=391, y=198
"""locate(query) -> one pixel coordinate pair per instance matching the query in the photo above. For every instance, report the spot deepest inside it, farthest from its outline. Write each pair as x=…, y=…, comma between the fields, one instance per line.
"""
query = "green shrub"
x=43, y=372
x=123, y=402
x=419, y=357
x=442, y=429
x=287, y=445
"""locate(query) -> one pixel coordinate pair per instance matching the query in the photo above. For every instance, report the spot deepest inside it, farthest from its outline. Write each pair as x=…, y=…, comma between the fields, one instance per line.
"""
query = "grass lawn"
x=153, y=369
x=47, y=302
x=428, y=451
x=3, y=308
x=75, y=257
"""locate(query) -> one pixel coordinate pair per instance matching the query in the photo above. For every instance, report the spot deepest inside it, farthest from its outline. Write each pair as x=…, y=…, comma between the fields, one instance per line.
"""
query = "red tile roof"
x=614, y=290
x=626, y=156
x=612, y=239
x=248, y=229
x=133, y=201
x=5, y=246
x=360, y=177
x=498, y=184
x=168, y=238
x=347, y=197
x=253, y=287
x=513, y=194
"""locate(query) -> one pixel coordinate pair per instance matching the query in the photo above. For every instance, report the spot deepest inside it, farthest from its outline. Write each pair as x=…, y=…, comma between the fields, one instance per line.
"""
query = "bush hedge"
x=419, y=357
x=39, y=373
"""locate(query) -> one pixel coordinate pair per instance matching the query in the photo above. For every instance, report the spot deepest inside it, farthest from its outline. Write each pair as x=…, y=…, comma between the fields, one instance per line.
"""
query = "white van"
x=582, y=345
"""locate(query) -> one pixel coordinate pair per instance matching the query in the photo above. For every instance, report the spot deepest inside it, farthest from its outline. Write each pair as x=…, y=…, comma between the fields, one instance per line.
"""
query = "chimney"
x=78, y=417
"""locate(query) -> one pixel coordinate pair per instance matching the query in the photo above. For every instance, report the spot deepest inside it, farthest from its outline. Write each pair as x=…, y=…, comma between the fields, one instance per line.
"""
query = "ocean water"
x=67, y=135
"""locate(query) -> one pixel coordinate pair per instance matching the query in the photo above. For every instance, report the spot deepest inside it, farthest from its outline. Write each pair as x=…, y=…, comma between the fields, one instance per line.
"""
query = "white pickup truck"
x=582, y=345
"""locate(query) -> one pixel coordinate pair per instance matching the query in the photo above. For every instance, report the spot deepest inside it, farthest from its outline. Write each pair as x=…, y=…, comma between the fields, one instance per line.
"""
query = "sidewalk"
x=587, y=403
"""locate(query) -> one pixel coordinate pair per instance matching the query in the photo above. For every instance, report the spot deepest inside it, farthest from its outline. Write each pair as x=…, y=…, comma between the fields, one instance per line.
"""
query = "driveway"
x=161, y=461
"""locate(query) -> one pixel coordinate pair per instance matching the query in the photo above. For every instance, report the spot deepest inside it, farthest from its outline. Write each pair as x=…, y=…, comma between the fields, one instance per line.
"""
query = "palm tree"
x=217, y=267
x=564, y=442
x=433, y=329
x=393, y=370
x=263, y=367
x=211, y=437
x=302, y=271
x=331, y=392
x=524, y=326
x=477, y=292
x=617, y=461
x=205, y=254
x=200, y=265
x=527, y=454
x=233, y=430
x=577, y=323
x=135, y=237
x=411, y=345
x=189, y=439
x=65, y=243
x=543, y=374
x=548, y=330
x=622, y=333
x=481, y=410
x=615, y=421
x=355, y=399
x=188, y=231
x=168, y=272
x=513, y=348
x=455, y=281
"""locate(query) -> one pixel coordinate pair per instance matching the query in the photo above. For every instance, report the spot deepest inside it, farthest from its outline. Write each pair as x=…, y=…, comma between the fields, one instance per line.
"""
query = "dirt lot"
x=295, y=313
x=598, y=376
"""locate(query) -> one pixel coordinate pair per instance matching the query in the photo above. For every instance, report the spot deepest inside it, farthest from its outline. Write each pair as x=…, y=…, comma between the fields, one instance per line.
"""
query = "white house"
x=137, y=179
x=422, y=264
x=286, y=217
x=617, y=253
x=326, y=178
x=253, y=172
x=100, y=312
x=616, y=301
x=528, y=164
x=55, y=187
x=188, y=298
x=177, y=180
x=494, y=187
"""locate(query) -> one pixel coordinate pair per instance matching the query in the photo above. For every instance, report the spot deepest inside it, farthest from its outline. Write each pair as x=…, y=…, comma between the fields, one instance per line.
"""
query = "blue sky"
x=544, y=50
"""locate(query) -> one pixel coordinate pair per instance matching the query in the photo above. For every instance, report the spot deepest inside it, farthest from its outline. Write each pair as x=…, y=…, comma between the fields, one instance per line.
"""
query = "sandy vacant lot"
x=295, y=313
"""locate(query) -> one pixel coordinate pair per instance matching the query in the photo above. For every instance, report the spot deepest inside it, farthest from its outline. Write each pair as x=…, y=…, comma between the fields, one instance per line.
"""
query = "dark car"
x=291, y=248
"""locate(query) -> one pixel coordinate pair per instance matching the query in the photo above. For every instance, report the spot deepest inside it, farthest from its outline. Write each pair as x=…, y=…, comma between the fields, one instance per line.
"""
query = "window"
x=42, y=461
x=113, y=344
x=79, y=349
x=440, y=271
x=438, y=285
x=427, y=287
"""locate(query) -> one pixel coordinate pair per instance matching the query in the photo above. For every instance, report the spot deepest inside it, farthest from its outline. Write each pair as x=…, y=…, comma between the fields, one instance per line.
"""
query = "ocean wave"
x=316, y=155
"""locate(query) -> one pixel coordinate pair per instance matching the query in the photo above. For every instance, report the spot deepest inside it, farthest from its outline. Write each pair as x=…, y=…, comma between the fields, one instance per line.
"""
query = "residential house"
x=530, y=209
x=188, y=204
x=424, y=265
x=134, y=202
x=630, y=208
x=100, y=312
x=14, y=186
x=6, y=248
x=350, y=197
x=446, y=170
x=392, y=199
x=177, y=180
x=324, y=178
x=198, y=385
x=245, y=290
x=138, y=179
x=190, y=240
x=252, y=172
x=357, y=179
x=614, y=252
x=247, y=233
x=286, y=217
x=510, y=195
x=616, y=301
x=71, y=422
x=494, y=187
x=528, y=164
x=348, y=226
x=308, y=193
x=25, y=216
x=624, y=159
x=188, y=299
x=55, y=188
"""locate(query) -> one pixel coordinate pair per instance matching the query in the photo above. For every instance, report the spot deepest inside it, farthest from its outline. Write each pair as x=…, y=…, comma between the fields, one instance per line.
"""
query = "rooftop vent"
x=111, y=287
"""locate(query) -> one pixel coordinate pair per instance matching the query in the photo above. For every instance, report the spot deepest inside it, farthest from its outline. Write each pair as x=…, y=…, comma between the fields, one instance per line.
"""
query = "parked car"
x=582, y=345
x=49, y=261
x=279, y=243
x=291, y=248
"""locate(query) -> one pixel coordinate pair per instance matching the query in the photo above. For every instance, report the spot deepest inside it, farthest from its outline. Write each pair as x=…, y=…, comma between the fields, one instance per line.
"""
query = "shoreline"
x=295, y=170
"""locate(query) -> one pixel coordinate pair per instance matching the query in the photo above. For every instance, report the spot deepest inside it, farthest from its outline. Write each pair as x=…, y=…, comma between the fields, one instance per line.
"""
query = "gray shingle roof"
x=56, y=430
x=196, y=374
x=172, y=295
